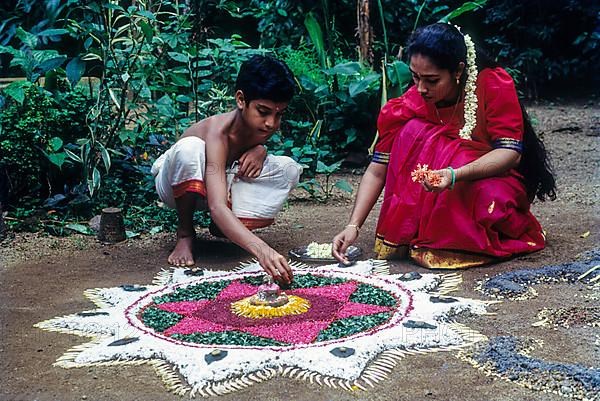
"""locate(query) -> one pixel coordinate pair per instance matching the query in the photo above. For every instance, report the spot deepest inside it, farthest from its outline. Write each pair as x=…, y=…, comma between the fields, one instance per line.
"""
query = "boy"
x=220, y=163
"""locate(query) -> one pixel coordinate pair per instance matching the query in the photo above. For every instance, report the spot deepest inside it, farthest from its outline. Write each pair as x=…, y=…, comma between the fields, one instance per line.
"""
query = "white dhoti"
x=255, y=201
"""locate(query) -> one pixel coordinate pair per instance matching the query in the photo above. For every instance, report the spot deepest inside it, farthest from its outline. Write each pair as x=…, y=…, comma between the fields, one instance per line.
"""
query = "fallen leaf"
x=585, y=234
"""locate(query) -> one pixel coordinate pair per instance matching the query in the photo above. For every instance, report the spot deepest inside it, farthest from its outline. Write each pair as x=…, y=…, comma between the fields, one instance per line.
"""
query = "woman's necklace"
x=437, y=113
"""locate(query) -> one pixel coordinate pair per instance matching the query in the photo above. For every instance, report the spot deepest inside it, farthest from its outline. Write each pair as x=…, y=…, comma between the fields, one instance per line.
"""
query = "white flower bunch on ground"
x=318, y=251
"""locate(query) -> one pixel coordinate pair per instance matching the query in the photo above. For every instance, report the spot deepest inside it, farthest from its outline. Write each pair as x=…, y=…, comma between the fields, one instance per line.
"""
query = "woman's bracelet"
x=453, y=177
x=356, y=227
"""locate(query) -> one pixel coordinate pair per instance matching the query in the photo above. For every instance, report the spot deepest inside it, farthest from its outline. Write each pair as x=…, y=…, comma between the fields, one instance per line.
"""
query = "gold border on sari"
x=386, y=250
x=446, y=259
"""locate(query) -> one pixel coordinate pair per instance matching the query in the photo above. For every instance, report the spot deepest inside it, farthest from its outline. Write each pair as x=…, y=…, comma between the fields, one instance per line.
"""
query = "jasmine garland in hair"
x=470, y=115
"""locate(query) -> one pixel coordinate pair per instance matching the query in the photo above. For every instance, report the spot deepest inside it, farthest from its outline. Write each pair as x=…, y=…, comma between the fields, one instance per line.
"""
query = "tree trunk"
x=364, y=32
x=2, y=225
x=4, y=194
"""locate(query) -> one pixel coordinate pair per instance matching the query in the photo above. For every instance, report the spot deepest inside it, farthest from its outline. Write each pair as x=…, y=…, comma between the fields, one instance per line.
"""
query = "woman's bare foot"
x=183, y=254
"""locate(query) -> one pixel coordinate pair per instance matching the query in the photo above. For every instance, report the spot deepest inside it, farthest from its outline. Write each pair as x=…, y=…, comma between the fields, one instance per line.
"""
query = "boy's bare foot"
x=183, y=254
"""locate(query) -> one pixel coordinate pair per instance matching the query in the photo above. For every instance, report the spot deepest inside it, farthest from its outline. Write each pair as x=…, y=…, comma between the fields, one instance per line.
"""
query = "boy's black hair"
x=445, y=46
x=265, y=77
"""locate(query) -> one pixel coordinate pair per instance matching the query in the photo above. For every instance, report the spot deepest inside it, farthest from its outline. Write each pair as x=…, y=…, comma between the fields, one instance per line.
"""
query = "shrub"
x=31, y=132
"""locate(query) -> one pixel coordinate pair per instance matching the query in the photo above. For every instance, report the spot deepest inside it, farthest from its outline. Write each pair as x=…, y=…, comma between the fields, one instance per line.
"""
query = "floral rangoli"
x=342, y=327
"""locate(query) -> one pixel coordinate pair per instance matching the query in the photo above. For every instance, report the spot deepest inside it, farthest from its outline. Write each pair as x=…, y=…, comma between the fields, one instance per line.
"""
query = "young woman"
x=462, y=119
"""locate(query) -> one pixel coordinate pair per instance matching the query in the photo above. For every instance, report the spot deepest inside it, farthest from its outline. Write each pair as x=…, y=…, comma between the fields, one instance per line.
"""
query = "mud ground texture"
x=42, y=277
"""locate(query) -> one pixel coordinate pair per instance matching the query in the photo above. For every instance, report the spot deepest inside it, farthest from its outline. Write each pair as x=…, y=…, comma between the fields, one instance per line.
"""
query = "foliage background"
x=71, y=145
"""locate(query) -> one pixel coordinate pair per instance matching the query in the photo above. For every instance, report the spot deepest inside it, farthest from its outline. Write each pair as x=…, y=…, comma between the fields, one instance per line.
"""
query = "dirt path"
x=43, y=277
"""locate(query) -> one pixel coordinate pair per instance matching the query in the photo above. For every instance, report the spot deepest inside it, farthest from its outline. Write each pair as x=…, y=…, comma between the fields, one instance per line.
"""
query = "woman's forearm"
x=369, y=190
x=493, y=163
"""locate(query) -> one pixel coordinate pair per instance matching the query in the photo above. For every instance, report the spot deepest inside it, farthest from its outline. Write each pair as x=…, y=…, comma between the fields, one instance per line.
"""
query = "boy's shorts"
x=255, y=201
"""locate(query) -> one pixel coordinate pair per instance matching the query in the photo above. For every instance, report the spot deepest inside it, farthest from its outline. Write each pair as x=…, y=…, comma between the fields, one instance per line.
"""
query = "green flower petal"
x=159, y=319
x=369, y=294
x=228, y=338
x=196, y=292
x=351, y=325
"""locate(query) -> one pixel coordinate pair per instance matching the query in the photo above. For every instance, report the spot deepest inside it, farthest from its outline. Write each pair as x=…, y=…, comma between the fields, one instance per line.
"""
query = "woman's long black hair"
x=444, y=45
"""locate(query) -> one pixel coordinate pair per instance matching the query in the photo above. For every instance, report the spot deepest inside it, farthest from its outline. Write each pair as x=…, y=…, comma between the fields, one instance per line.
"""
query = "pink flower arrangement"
x=328, y=304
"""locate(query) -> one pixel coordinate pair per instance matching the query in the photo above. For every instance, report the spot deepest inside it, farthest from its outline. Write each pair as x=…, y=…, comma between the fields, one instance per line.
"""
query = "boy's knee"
x=291, y=170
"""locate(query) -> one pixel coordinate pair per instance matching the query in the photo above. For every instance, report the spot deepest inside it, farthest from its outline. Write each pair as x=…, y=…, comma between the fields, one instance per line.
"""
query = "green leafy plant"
x=33, y=134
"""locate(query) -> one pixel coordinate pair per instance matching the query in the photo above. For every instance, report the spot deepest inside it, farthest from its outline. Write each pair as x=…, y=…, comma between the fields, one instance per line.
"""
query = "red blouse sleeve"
x=392, y=118
x=502, y=111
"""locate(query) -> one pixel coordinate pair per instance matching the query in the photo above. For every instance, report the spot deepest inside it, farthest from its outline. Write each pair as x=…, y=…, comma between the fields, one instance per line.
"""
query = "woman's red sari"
x=477, y=221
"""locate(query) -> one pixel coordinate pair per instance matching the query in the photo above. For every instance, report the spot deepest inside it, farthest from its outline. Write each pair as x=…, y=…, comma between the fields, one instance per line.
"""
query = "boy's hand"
x=251, y=162
x=276, y=266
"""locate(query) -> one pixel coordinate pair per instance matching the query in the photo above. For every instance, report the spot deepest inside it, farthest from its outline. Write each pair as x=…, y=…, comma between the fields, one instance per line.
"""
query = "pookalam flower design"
x=360, y=323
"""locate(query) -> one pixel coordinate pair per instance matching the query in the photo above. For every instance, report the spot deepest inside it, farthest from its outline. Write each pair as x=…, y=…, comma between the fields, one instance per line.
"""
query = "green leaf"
x=156, y=230
x=202, y=63
x=16, y=90
x=105, y=157
x=51, y=64
x=75, y=69
x=182, y=58
x=183, y=98
x=112, y=6
x=27, y=38
x=466, y=7
x=94, y=183
x=351, y=135
x=344, y=186
x=316, y=36
x=147, y=30
x=55, y=144
x=351, y=68
x=53, y=32
x=131, y=234
x=321, y=167
x=203, y=73
x=80, y=228
x=180, y=80
x=91, y=56
x=73, y=156
x=57, y=159
x=315, y=132
x=356, y=88
x=398, y=72
x=399, y=76
x=147, y=14
x=10, y=50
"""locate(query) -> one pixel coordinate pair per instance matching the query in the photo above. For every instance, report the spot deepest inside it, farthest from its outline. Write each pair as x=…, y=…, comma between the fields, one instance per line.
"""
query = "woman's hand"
x=251, y=162
x=275, y=265
x=342, y=241
x=445, y=181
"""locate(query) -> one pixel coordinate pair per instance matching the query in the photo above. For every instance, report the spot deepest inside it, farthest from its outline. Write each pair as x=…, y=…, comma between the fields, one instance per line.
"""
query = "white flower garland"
x=470, y=115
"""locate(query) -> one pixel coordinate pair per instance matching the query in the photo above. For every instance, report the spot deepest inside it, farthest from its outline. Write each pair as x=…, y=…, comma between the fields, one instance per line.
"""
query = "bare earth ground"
x=42, y=277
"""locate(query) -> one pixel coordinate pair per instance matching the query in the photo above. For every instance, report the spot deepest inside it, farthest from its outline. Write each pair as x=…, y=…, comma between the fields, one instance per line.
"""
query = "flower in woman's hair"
x=470, y=96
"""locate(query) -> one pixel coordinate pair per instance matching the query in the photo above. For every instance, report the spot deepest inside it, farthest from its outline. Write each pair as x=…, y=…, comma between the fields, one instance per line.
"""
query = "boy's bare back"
x=218, y=128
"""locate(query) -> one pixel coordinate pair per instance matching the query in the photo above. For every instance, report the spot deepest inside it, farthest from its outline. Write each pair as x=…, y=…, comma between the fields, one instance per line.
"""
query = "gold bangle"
x=356, y=227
